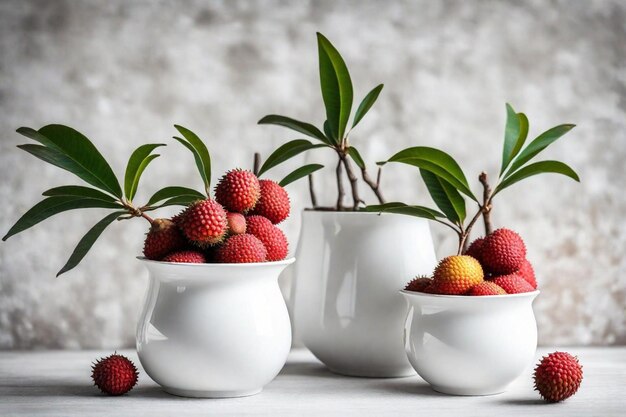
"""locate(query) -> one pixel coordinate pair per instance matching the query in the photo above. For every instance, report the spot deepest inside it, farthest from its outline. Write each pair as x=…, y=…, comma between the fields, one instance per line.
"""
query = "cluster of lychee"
x=238, y=226
x=492, y=265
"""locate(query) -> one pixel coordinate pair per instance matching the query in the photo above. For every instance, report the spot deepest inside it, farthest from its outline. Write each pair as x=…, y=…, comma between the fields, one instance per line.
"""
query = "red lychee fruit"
x=186, y=257
x=527, y=272
x=204, y=222
x=503, y=252
x=114, y=375
x=475, y=250
x=272, y=237
x=487, y=288
x=162, y=238
x=558, y=376
x=455, y=275
x=238, y=190
x=513, y=284
x=274, y=202
x=236, y=223
x=418, y=284
x=431, y=289
x=244, y=248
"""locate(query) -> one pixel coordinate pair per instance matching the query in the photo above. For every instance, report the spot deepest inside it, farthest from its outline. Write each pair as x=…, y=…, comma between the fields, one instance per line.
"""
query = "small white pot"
x=214, y=330
x=464, y=345
x=346, y=305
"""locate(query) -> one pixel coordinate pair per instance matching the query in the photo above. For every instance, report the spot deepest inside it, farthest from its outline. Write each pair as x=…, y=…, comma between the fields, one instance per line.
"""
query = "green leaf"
x=137, y=162
x=366, y=104
x=543, y=167
x=511, y=134
x=437, y=162
x=445, y=196
x=199, y=163
x=287, y=151
x=169, y=192
x=356, y=156
x=72, y=151
x=181, y=200
x=329, y=133
x=336, y=87
x=401, y=208
x=299, y=173
x=539, y=144
x=78, y=191
x=54, y=205
x=302, y=127
x=88, y=240
x=202, y=153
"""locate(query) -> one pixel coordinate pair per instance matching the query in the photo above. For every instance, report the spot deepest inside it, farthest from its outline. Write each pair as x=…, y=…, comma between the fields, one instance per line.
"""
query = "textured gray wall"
x=124, y=72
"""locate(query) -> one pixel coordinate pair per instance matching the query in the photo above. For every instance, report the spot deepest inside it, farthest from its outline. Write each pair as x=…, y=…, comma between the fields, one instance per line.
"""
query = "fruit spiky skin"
x=162, y=238
x=455, y=275
x=271, y=236
x=114, y=375
x=274, y=202
x=558, y=376
x=204, y=222
x=418, y=284
x=186, y=257
x=236, y=223
x=244, y=248
x=486, y=288
x=503, y=252
x=475, y=250
x=238, y=190
x=527, y=272
x=513, y=284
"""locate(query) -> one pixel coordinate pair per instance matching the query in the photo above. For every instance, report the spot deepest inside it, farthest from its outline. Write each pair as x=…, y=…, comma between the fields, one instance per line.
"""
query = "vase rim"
x=469, y=297
x=284, y=262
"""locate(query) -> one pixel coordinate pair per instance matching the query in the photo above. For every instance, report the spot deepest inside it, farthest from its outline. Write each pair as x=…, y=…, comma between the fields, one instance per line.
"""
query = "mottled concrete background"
x=124, y=72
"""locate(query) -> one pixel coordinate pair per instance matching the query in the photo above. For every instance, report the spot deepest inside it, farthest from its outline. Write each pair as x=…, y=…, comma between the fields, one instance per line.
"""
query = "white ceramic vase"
x=214, y=330
x=464, y=345
x=346, y=305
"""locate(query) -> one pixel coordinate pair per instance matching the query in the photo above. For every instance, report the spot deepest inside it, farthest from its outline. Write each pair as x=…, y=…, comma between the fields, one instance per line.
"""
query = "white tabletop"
x=57, y=383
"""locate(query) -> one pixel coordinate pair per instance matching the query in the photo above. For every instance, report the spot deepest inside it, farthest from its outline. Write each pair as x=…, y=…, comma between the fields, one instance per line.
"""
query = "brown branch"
x=486, y=203
x=257, y=163
x=340, y=190
x=353, y=182
x=375, y=186
x=312, y=192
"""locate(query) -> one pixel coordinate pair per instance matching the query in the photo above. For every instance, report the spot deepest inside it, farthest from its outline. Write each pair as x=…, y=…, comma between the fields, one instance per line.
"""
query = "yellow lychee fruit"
x=456, y=275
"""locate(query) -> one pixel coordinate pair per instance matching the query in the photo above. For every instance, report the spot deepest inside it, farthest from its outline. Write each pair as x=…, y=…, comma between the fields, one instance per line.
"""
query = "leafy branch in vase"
x=448, y=186
x=337, y=94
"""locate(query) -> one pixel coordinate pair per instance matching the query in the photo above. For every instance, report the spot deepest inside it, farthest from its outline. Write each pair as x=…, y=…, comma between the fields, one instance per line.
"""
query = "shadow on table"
x=307, y=368
x=524, y=401
x=407, y=386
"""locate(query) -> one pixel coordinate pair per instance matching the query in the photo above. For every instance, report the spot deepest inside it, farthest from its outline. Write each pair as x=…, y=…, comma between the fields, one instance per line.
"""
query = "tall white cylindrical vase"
x=346, y=304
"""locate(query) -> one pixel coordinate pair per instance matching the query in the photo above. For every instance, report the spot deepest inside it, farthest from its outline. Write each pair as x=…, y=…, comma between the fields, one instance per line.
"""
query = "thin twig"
x=353, y=182
x=340, y=190
x=375, y=186
x=312, y=192
x=487, y=205
x=257, y=163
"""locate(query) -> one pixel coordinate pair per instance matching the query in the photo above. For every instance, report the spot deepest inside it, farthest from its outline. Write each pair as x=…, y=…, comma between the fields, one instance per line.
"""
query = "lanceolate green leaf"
x=287, y=151
x=356, y=156
x=539, y=144
x=84, y=156
x=437, y=162
x=445, y=196
x=329, y=133
x=201, y=151
x=299, y=173
x=366, y=104
x=302, y=127
x=136, y=164
x=54, y=205
x=181, y=200
x=401, y=208
x=543, y=167
x=59, y=159
x=199, y=163
x=88, y=240
x=78, y=191
x=336, y=86
x=170, y=192
x=511, y=134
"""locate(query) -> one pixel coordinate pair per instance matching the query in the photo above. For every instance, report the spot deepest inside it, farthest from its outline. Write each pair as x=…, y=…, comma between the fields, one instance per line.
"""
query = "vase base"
x=467, y=391
x=373, y=373
x=210, y=394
